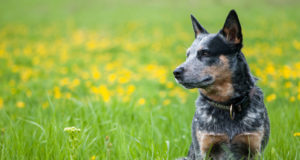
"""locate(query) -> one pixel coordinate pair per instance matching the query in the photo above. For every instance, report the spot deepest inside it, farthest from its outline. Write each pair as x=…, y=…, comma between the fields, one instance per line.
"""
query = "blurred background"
x=105, y=67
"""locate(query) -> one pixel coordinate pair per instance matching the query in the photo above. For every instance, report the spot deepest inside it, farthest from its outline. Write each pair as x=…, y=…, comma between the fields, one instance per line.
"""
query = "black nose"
x=178, y=72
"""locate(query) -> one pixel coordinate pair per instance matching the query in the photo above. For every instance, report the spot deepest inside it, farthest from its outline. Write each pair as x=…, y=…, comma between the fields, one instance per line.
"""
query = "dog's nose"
x=178, y=72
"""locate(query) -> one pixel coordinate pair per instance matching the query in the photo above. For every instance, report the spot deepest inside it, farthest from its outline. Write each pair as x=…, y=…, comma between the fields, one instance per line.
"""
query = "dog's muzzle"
x=178, y=73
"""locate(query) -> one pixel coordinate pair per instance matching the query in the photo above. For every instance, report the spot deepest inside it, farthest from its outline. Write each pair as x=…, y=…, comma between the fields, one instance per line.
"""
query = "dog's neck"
x=237, y=85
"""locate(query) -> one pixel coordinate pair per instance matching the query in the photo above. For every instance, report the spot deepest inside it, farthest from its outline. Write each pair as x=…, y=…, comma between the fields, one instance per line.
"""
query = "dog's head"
x=211, y=56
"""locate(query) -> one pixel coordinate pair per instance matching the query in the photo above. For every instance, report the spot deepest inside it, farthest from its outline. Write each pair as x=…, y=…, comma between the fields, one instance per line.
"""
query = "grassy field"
x=105, y=67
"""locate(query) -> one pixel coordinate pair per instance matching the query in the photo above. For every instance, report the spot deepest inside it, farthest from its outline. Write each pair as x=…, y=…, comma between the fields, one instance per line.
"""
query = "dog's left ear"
x=232, y=30
x=198, y=29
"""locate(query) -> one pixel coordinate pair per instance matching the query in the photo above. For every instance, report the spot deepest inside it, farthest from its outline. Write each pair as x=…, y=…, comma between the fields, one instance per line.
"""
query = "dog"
x=231, y=120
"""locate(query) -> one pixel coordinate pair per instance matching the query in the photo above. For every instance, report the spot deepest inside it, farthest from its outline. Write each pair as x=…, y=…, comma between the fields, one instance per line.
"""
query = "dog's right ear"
x=198, y=29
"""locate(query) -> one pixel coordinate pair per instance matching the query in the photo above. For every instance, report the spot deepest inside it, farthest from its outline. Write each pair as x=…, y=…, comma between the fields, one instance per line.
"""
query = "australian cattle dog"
x=231, y=120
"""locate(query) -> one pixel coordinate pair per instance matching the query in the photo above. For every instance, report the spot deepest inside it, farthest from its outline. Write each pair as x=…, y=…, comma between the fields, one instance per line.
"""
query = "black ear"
x=198, y=29
x=232, y=30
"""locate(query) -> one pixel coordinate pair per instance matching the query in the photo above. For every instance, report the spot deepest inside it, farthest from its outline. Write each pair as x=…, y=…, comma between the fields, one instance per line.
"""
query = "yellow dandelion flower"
x=45, y=105
x=166, y=102
x=1, y=103
x=123, y=80
x=170, y=84
x=130, y=89
x=286, y=72
x=162, y=80
x=298, y=96
x=297, y=134
x=57, y=93
x=141, y=101
x=93, y=158
x=270, y=69
x=271, y=97
x=74, y=83
x=64, y=81
x=112, y=78
x=68, y=95
x=91, y=45
x=104, y=93
x=95, y=90
x=288, y=85
x=292, y=99
x=296, y=44
x=96, y=74
x=20, y=104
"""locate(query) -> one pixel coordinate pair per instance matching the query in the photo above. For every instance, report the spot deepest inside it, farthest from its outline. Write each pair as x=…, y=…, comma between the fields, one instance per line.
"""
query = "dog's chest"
x=215, y=127
x=247, y=140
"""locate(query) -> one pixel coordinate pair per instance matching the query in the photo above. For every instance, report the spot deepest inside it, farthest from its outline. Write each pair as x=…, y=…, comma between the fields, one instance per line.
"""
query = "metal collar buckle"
x=231, y=112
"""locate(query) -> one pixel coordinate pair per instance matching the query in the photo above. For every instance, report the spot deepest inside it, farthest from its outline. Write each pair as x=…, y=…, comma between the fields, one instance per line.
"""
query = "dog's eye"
x=202, y=53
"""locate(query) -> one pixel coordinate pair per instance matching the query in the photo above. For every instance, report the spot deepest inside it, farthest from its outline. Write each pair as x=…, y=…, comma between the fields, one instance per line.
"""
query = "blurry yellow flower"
x=45, y=105
x=1, y=103
x=271, y=97
x=104, y=93
x=130, y=89
x=20, y=104
x=26, y=74
x=298, y=96
x=96, y=74
x=95, y=90
x=270, y=69
x=292, y=99
x=297, y=134
x=74, y=83
x=111, y=78
x=141, y=101
x=68, y=95
x=93, y=158
x=64, y=81
x=287, y=72
x=296, y=44
x=91, y=45
x=57, y=93
x=123, y=79
x=170, y=84
x=288, y=85
x=277, y=51
x=166, y=102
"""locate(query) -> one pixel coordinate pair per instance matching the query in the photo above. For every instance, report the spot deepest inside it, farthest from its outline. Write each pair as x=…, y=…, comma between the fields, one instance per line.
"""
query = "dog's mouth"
x=203, y=83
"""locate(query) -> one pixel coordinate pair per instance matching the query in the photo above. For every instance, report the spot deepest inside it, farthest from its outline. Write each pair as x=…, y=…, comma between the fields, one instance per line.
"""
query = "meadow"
x=105, y=67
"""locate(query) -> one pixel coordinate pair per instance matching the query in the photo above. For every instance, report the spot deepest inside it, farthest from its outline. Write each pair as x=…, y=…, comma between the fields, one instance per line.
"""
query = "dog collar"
x=237, y=104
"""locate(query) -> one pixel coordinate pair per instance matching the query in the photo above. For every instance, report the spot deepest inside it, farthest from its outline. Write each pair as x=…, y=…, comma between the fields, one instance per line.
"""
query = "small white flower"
x=71, y=129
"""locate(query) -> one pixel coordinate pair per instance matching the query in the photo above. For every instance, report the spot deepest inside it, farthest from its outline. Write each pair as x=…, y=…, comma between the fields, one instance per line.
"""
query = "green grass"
x=138, y=43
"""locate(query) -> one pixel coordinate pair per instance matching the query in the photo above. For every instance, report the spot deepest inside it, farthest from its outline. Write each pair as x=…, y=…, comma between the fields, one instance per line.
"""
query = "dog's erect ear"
x=232, y=30
x=198, y=29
